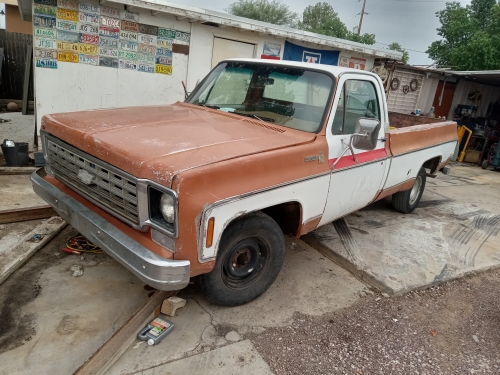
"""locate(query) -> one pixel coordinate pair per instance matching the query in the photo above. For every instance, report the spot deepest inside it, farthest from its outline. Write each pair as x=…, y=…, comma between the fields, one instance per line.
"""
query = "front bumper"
x=158, y=272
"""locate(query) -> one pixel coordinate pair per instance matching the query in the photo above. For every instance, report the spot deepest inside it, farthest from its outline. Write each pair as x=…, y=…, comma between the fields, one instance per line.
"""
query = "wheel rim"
x=244, y=262
x=415, y=190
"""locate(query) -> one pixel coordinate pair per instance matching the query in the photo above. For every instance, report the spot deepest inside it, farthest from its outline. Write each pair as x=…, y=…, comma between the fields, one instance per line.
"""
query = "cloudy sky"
x=411, y=23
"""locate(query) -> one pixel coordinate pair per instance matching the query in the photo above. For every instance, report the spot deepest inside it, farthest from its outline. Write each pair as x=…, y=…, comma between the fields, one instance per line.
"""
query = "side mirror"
x=366, y=133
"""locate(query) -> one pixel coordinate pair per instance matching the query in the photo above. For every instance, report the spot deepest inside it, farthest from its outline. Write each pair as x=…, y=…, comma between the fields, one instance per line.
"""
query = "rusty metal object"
x=406, y=89
x=395, y=84
x=414, y=84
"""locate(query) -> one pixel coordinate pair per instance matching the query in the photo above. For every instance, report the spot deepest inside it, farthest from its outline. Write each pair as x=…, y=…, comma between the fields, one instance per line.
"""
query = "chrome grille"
x=112, y=189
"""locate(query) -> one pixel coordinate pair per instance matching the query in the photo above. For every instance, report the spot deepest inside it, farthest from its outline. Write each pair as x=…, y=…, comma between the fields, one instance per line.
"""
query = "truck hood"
x=158, y=142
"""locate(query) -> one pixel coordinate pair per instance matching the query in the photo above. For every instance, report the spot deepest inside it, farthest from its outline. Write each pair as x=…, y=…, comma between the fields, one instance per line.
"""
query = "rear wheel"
x=406, y=201
x=250, y=256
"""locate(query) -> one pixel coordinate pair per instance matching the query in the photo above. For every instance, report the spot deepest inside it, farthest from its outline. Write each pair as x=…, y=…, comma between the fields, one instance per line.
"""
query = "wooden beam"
x=105, y=356
x=27, y=73
x=17, y=170
x=155, y=12
x=25, y=214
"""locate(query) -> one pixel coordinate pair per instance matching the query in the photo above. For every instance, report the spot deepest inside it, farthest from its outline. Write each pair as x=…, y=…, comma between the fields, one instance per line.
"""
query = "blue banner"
x=294, y=52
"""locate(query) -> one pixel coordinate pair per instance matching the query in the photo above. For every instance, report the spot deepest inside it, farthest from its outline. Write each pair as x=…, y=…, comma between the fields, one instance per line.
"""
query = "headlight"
x=167, y=208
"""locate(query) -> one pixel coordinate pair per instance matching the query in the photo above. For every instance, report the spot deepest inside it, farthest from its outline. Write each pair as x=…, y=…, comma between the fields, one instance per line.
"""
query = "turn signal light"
x=210, y=232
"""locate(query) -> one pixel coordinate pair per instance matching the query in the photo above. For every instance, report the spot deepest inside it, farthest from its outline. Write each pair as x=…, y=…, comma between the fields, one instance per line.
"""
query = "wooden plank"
x=27, y=71
x=17, y=170
x=104, y=357
x=25, y=214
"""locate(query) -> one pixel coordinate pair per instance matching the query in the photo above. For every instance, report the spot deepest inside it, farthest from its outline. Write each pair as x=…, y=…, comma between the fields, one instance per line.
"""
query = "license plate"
x=145, y=68
x=110, y=12
x=44, y=10
x=128, y=64
x=130, y=16
x=41, y=32
x=66, y=25
x=45, y=43
x=108, y=62
x=68, y=4
x=89, y=8
x=163, y=69
x=46, y=63
x=128, y=35
x=88, y=28
x=108, y=52
x=65, y=46
x=111, y=22
x=164, y=42
x=128, y=46
x=111, y=32
x=130, y=26
x=88, y=49
x=145, y=58
x=164, y=52
x=88, y=18
x=163, y=60
x=148, y=29
x=127, y=55
x=144, y=48
x=51, y=3
x=45, y=53
x=67, y=56
x=166, y=33
x=147, y=39
x=89, y=59
x=67, y=14
x=180, y=35
x=67, y=36
x=108, y=42
x=88, y=38
x=44, y=21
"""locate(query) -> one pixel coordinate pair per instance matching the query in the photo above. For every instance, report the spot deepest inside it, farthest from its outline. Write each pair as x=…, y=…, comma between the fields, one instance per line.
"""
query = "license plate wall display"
x=85, y=32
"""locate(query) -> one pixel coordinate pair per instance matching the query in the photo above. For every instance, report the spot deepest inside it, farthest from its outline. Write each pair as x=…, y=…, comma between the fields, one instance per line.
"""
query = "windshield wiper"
x=209, y=106
x=261, y=118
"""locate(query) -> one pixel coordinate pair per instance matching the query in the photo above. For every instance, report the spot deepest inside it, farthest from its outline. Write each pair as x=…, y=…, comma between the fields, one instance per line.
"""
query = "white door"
x=354, y=184
x=229, y=49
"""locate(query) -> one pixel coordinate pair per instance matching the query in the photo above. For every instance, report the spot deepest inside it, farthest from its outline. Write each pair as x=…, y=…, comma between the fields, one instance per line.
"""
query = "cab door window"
x=357, y=99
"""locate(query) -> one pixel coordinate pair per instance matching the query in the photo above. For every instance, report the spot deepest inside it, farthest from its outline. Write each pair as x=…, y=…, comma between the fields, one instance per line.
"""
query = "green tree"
x=470, y=36
x=322, y=19
x=271, y=11
x=395, y=46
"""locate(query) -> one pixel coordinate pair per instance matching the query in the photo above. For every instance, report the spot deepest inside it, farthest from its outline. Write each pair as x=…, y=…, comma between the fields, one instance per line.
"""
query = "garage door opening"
x=230, y=49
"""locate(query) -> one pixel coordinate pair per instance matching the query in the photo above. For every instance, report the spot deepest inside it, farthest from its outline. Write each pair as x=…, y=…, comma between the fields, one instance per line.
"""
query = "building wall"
x=491, y=94
x=77, y=86
x=427, y=93
x=13, y=21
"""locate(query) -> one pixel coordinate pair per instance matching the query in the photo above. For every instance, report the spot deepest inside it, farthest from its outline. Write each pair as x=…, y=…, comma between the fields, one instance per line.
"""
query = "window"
x=357, y=99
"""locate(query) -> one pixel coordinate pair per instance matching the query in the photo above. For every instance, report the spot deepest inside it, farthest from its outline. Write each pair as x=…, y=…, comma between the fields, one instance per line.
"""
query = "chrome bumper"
x=158, y=272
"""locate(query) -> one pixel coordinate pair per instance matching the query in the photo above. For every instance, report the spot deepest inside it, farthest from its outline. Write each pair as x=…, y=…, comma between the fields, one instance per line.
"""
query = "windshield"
x=282, y=95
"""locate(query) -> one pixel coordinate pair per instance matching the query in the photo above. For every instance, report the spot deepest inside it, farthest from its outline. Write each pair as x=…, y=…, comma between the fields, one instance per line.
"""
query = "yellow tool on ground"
x=461, y=133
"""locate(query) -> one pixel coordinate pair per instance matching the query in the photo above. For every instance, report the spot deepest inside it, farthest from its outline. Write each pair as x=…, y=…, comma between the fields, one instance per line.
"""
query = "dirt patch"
x=17, y=324
x=451, y=329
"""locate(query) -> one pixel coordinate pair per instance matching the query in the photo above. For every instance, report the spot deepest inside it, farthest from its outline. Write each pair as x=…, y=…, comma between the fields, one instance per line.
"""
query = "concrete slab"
x=239, y=358
x=17, y=192
x=454, y=231
x=20, y=128
x=51, y=321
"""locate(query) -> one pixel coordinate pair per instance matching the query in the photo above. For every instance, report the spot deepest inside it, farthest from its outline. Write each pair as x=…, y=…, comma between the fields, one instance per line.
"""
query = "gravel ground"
x=450, y=329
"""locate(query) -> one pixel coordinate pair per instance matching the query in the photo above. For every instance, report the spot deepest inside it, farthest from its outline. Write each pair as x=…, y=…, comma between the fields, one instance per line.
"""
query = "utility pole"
x=361, y=18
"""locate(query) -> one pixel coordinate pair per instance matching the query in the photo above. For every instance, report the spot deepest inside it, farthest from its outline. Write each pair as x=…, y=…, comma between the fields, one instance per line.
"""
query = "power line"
x=406, y=49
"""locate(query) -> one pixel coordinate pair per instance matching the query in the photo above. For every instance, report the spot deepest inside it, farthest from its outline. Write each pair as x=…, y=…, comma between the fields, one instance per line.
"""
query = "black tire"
x=406, y=201
x=250, y=257
x=485, y=164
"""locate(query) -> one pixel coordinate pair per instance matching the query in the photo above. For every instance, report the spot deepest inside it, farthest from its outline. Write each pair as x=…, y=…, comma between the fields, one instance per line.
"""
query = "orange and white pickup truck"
x=209, y=187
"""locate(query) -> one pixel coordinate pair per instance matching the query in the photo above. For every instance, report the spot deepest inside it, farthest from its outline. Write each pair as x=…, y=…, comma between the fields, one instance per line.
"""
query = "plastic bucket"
x=17, y=156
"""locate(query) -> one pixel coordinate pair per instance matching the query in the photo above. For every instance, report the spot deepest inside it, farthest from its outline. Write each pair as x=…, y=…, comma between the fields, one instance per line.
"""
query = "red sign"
x=357, y=63
x=269, y=57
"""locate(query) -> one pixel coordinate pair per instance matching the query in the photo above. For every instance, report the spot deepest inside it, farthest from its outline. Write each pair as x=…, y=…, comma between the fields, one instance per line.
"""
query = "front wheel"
x=406, y=201
x=250, y=257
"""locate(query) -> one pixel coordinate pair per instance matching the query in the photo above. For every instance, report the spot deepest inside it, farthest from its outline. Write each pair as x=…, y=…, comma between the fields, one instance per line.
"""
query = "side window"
x=360, y=100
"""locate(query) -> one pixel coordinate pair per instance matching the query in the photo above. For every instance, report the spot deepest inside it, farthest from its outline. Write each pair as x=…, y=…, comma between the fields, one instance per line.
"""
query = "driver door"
x=354, y=184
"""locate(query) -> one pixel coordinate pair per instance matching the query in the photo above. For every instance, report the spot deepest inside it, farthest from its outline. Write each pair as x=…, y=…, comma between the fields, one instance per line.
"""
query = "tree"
x=395, y=46
x=470, y=36
x=322, y=19
x=273, y=11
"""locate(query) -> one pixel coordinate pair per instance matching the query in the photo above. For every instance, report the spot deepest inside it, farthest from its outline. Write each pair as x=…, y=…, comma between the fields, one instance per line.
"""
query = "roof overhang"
x=487, y=77
x=194, y=14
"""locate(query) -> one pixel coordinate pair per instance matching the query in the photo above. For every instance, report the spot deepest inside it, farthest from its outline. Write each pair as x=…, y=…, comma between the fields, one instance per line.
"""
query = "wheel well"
x=433, y=164
x=288, y=216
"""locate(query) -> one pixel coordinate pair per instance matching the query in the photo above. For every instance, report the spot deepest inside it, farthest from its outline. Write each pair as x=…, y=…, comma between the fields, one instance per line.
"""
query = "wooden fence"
x=14, y=47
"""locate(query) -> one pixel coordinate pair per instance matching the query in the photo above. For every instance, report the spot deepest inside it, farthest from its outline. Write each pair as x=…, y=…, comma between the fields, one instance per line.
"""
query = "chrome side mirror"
x=365, y=133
